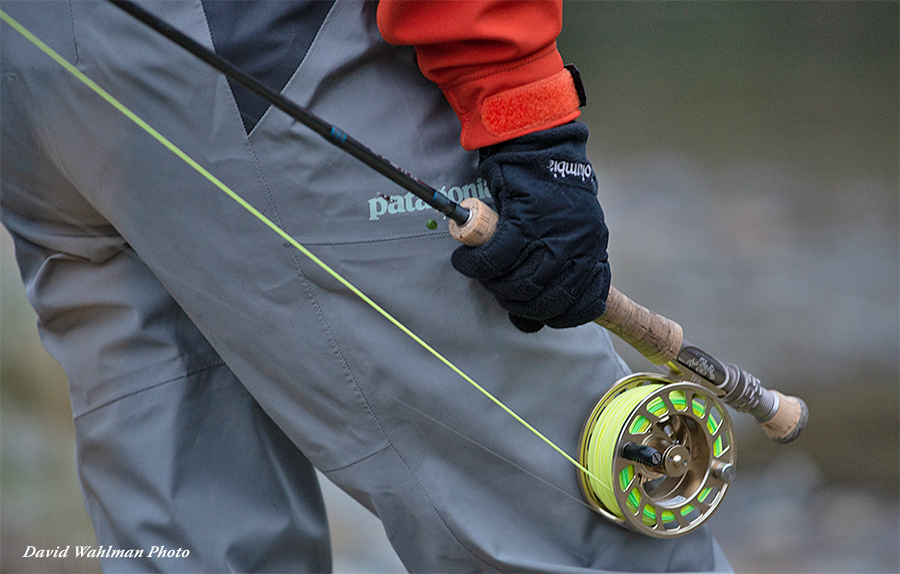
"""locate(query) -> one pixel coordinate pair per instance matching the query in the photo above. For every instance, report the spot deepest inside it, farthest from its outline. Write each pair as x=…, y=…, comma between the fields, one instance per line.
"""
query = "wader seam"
x=359, y=460
x=348, y=372
x=297, y=70
x=382, y=240
x=438, y=514
x=74, y=41
x=421, y=488
x=329, y=334
x=153, y=386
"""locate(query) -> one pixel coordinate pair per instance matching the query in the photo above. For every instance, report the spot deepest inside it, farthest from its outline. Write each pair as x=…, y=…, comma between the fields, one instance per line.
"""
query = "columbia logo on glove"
x=562, y=168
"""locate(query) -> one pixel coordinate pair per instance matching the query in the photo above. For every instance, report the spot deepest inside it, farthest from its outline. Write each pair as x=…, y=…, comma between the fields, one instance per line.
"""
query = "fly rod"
x=472, y=222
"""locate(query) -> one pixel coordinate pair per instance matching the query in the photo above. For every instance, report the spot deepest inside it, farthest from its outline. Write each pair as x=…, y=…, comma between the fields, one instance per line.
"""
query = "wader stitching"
x=355, y=462
x=270, y=109
x=421, y=488
x=438, y=514
x=153, y=386
x=320, y=314
x=74, y=41
x=383, y=240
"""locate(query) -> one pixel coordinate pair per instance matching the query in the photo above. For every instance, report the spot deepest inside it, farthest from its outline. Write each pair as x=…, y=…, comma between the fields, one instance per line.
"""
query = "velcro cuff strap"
x=531, y=106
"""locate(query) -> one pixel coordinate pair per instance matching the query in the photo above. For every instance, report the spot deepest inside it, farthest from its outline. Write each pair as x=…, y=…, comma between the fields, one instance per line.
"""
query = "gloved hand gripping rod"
x=473, y=223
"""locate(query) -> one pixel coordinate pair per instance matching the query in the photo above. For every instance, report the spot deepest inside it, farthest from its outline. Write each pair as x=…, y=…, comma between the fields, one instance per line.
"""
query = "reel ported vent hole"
x=664, y=454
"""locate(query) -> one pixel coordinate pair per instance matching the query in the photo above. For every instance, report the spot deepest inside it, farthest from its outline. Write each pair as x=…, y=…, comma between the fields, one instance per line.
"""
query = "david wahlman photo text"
x=105, y=552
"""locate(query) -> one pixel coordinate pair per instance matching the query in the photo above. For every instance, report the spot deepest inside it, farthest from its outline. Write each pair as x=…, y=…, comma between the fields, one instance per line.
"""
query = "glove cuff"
x=498, y=107
x=533, y=106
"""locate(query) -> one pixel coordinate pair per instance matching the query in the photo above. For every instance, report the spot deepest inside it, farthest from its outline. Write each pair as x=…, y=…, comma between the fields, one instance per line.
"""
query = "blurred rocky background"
x=748, y=161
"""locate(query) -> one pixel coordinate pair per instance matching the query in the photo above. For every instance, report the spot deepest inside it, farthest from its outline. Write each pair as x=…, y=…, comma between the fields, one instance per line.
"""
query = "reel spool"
x=664, y=452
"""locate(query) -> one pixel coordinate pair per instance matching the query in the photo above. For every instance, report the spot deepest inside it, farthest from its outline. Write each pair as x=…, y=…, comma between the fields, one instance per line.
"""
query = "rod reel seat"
x=664, y=452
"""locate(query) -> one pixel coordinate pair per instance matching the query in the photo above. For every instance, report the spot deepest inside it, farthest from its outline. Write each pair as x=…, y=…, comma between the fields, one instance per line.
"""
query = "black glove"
x=546, y=264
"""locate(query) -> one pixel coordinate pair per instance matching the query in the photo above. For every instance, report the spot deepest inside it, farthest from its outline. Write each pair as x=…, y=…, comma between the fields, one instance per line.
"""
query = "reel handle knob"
x=641, y=453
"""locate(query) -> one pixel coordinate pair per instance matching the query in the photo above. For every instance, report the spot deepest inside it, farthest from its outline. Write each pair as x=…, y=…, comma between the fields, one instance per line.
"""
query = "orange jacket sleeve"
x=496, y=62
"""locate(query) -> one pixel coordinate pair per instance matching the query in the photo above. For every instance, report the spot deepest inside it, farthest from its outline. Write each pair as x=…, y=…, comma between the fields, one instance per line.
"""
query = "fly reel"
x=663, y=452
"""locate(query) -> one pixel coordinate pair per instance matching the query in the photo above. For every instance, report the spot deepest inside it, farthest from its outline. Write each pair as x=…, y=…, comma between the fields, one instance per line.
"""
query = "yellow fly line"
x=284, y=235
x=603, y=440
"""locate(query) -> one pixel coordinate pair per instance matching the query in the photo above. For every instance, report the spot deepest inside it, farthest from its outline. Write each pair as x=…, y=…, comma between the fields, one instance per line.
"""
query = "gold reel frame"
x=667, y=500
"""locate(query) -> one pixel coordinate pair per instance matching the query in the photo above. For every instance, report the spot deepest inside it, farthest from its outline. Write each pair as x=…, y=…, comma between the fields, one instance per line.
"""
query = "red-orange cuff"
x=498, y=106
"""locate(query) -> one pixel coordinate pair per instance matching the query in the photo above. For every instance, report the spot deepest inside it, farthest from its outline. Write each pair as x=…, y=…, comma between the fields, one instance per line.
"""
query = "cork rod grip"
x=481, y=224
x=655, y=337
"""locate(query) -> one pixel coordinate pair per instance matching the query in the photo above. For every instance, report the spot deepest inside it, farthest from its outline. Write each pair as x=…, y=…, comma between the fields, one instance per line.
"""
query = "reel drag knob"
x=660, y=454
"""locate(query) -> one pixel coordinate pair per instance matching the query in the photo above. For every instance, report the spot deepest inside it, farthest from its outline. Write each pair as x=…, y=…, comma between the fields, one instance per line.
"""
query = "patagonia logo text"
x=561, y=168
x=394, y=204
